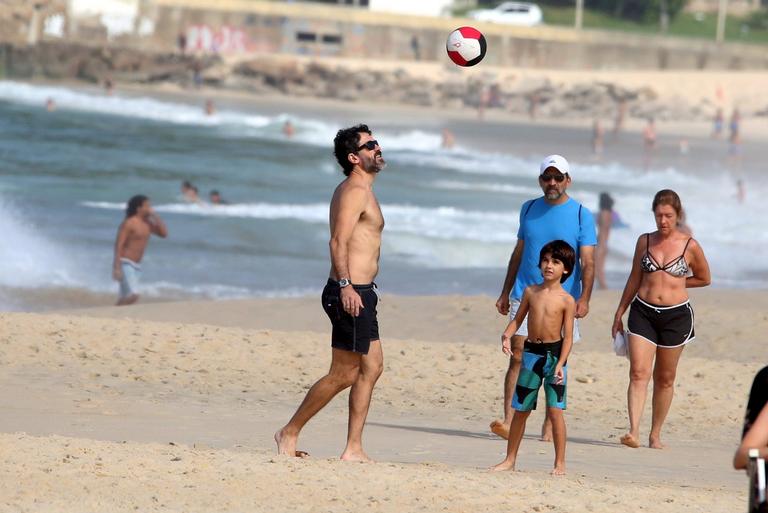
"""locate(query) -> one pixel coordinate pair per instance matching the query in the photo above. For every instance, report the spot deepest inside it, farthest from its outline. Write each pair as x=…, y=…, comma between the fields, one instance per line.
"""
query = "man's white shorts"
x=522, y=330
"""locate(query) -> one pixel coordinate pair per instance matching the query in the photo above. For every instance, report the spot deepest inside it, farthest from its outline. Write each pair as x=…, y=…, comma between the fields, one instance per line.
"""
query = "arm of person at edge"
x=755, y=438
x=351, y=207
x=630, y=289
x=569, y=313
x=699, y=267
x=509, y=332
x=587, y=257
x=156, y=225
x=502, y=304
x=122, y=235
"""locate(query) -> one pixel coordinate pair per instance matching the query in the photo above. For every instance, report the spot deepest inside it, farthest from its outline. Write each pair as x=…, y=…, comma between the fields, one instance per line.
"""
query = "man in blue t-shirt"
x=550, y=217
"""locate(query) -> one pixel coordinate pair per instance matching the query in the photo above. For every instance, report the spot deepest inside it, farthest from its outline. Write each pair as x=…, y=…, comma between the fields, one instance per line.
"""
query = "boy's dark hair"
x=560, y=250
x=134, y=204
x=347, y=141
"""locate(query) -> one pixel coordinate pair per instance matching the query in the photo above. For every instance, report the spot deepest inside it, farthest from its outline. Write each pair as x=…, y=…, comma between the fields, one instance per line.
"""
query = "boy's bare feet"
x=654, y=442
x=559, y=470
x=358, y=456
x=630, y=441
x=504, y=465
x=500, y=429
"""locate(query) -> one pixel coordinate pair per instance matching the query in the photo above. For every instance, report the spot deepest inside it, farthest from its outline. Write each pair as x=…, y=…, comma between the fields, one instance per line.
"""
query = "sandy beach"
x=172, y=407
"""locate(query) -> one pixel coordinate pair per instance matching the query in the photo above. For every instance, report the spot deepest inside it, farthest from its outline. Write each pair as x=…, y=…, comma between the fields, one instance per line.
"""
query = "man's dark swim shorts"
x=352, y=333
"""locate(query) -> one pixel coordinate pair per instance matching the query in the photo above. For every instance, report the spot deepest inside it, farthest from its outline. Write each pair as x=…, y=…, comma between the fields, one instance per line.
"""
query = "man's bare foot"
x=358, y=456
x=500, y=429
x=286, y=444
x=630, y=441
x=654, y=442
x=504, y=465
x=546, y=434
x=559, y=470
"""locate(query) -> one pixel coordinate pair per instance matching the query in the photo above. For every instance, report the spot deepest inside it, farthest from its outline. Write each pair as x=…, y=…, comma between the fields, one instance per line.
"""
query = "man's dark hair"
x=214, y=193
x=560, y=250
x=134, y=204
x=347, y=141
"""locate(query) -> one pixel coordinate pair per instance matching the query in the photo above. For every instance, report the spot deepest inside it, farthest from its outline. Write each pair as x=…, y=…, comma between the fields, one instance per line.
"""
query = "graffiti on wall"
x=227, y=40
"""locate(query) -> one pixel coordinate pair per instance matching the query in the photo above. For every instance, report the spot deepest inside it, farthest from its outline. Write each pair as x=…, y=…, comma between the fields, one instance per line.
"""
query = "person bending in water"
x=551, y=311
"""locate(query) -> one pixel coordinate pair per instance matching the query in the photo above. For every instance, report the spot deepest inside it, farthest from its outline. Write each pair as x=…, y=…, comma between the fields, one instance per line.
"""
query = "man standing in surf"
x=350, y=296
x=132, y=239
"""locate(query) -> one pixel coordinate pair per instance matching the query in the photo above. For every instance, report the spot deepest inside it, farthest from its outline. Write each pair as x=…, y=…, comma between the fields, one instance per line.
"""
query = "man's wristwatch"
x=344, y=282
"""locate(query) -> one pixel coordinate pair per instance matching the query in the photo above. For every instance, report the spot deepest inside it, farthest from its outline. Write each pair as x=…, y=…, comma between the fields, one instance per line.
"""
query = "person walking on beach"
x=604, y=222
x=350, y=295
x=550, y=311
x=132, y=239
x=553, y=216
x=666, y=263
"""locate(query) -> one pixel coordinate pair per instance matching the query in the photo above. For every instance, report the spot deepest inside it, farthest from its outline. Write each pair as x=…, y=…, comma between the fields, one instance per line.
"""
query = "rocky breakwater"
x=445, y=88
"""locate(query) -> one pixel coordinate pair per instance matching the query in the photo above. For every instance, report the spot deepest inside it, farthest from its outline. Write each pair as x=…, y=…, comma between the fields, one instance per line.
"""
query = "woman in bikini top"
x=666, y=263
x=676, y=267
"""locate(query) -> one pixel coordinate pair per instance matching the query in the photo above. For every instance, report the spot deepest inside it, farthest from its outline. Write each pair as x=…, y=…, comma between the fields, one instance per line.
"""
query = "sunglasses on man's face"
x=556, y=177
x=370, y=145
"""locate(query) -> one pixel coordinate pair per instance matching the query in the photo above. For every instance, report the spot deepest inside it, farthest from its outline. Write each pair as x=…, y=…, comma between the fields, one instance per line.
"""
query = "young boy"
x=550, y=311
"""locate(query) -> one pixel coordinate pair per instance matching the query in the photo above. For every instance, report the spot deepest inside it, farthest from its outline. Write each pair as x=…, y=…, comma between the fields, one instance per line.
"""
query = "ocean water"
x=451, y=214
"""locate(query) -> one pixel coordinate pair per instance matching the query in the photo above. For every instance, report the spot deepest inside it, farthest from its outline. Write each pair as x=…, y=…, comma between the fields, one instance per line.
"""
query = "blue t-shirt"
x=541, y=223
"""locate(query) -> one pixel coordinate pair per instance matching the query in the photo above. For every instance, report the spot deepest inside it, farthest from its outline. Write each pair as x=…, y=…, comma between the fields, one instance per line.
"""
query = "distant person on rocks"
x=132, y=239
x=181, y=42
x=415, y=48
x=50, y=105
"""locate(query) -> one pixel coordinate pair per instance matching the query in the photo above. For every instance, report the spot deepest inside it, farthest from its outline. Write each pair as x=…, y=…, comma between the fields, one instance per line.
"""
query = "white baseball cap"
x=556, y=161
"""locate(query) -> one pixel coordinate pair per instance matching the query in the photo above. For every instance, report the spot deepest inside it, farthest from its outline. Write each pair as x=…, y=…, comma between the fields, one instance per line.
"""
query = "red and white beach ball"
x=466, y=46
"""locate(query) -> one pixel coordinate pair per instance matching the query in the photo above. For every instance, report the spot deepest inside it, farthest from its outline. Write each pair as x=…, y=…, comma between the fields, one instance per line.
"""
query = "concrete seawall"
x=240, y=27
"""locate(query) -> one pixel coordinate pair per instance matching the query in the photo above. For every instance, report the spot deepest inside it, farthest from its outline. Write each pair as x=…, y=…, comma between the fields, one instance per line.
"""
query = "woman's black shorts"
x=664, y=326
x=352, y=333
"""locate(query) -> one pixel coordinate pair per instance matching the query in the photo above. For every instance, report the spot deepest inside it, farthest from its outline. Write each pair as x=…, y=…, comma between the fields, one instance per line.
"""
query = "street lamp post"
x=722, y=11
x=579, y=14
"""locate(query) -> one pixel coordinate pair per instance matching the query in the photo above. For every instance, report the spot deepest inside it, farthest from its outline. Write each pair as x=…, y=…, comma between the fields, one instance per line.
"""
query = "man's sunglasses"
x=370, y=145
x=557, y=177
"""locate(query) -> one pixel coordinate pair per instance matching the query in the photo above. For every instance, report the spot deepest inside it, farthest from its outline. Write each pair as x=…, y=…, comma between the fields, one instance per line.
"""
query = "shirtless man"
x=132, y=238
x=350, y=296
